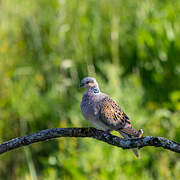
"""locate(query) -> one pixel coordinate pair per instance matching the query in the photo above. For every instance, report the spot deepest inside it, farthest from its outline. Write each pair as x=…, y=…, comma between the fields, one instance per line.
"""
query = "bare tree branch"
x=91, y=133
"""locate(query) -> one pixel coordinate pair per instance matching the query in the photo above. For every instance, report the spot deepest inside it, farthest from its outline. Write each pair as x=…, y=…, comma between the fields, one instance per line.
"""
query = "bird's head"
x=89, y=83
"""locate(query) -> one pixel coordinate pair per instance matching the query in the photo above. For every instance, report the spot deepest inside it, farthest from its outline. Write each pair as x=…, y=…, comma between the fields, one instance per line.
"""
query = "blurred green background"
x=47, y=47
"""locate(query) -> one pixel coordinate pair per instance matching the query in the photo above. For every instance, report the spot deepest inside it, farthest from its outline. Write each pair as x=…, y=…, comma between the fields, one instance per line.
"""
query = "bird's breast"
x=89, y=107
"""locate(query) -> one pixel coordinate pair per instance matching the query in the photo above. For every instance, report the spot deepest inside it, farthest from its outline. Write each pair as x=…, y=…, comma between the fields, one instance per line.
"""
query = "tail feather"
x=135, y=150
x=130, y=131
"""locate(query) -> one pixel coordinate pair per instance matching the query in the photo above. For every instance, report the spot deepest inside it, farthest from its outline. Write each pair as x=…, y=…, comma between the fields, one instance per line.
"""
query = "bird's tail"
x=135, y=150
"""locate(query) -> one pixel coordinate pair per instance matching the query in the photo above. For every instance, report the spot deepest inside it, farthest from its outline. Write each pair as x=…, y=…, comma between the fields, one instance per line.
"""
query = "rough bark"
x=90, y=133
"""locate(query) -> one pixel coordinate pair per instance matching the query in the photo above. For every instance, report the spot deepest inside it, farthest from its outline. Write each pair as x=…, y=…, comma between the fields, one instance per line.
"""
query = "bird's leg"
x=107, y=132
x=140, y=133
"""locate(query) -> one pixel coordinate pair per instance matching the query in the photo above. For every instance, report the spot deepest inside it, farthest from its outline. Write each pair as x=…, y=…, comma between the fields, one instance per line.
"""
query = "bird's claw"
x=106, y=132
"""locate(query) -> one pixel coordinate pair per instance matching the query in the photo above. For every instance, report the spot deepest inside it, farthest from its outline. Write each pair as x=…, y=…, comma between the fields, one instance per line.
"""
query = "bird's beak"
x=81, y=85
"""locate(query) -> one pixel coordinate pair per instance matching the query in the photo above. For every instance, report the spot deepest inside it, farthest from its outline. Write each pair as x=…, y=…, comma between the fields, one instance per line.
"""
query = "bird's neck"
x=94, y=90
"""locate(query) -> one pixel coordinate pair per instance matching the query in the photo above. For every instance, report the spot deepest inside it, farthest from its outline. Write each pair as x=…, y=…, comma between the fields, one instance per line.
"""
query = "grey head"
x=90, y=84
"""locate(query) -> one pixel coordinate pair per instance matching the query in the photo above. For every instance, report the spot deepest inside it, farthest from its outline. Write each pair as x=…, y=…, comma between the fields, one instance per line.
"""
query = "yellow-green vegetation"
x=132, y=47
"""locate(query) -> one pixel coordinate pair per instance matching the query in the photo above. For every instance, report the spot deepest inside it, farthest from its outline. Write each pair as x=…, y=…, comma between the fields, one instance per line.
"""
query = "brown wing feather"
x=113, y=116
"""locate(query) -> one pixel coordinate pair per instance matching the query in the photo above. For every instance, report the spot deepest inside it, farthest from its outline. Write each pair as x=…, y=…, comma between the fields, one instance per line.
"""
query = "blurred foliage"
x=46, y=47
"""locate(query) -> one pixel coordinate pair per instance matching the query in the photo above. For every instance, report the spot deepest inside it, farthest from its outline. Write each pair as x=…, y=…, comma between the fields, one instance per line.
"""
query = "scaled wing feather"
x=113, y=116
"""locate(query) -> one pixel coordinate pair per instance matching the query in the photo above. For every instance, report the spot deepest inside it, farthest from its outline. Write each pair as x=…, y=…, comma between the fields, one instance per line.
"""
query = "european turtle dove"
x=104, y=113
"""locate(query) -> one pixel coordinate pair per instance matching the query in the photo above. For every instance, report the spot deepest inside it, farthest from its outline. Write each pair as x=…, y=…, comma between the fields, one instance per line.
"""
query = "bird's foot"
x=107, y=132
x=140, y=133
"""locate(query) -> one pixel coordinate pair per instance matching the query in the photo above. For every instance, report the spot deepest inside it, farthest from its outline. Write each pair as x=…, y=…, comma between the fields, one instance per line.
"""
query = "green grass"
x=47, y=47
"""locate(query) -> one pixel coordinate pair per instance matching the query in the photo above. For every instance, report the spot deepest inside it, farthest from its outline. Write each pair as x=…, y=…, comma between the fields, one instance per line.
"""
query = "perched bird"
x=104, y=113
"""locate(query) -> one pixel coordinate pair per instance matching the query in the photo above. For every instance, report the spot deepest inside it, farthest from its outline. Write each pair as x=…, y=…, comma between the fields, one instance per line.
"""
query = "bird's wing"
x=112, y=115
